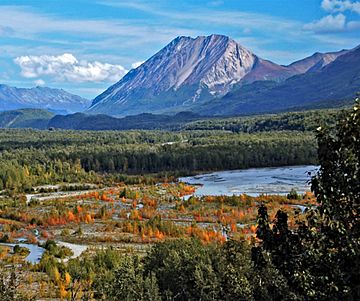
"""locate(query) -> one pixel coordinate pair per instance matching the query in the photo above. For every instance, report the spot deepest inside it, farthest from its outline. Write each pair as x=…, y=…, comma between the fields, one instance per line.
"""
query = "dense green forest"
x=33, y=157
x=288, y=121
x=30, y=157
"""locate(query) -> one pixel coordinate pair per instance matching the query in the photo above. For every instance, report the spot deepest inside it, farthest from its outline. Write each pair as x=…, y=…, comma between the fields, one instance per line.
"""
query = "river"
x=254, y=181
x=36, y=251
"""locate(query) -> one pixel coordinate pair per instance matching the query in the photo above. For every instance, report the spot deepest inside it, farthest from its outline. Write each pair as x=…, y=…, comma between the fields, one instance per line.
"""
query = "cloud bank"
x=334, y=6
x=336, y=20
x=328, y=24
x=67, y=67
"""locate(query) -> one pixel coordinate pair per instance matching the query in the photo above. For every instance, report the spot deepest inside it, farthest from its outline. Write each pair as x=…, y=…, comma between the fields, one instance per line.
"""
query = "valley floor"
x=124, y=217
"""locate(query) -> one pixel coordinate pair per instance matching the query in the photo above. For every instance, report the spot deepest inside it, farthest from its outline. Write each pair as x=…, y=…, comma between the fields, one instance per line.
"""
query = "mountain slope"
x=315, y=62
x=40, y=97
x=81, y=121
x=185, y=72
x=327, y=87
x=25, y=118
x=193, y=74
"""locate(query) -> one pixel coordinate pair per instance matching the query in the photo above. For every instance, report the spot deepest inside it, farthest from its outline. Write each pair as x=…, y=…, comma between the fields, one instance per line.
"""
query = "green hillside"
x=25, y=118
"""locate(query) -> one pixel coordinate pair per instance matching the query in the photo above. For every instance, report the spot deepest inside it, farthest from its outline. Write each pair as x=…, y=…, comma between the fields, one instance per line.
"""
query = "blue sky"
x=85, y=46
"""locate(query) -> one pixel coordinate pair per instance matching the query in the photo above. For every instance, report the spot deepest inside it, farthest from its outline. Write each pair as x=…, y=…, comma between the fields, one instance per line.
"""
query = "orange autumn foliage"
x=71, y=216
x=253, y=228
x=149, y=202
x=88, y=218
x=135, y=215
x=62, y=291
x=67, y=278
x=182, y=208
x=45, y=234
x=158, y=234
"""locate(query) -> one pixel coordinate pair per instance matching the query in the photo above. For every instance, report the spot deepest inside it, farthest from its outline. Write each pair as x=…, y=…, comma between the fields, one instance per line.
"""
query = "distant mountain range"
x=56, y=100
x=43, y=119
x=209, y=76
x=215, y=75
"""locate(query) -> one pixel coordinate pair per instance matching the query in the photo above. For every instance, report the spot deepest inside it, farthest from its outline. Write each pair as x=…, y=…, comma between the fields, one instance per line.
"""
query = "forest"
x=31, y=157
x=144, y=236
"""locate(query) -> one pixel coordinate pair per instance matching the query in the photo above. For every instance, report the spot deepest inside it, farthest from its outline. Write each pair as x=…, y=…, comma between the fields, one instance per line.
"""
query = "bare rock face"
x=185, y=71
x=191, y=71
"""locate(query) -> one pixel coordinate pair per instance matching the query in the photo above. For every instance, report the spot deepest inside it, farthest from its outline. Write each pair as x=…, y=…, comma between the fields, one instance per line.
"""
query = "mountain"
x=315, y=62
x=43, y=119
x=194, y=74
x=81, y=121
x=12, y=98
x=335, y=84
x=185, y=72
x=25, y=118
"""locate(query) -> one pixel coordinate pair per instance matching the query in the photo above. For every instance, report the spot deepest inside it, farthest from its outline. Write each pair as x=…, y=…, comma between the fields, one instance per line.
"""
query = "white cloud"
x=136, y=64
x=333, y=6
x=39, y=82
x=336, y=21
x=354, y=25
x=327, y=24
x=67, y=67
x=25, y=23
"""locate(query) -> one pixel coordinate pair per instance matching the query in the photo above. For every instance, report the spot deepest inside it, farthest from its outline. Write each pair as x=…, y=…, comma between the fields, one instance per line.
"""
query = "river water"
x=254, y=181
x=35, y=251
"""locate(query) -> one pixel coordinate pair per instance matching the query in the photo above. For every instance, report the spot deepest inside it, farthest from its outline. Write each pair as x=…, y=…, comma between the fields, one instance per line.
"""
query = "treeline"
x=19, y=176
x=289, y=121
x=182, y=269
x=248, y=151
x=31, y=157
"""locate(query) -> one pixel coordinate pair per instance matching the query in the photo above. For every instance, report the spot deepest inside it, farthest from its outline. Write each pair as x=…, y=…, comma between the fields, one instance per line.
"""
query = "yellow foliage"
x=67, y=278
x=56, y=274
x=63, y=292
x=88, y=218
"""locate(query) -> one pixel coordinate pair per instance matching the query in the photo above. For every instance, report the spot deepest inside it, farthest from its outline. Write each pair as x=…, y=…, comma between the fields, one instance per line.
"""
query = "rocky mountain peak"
x=205, y=64
x=191, y=71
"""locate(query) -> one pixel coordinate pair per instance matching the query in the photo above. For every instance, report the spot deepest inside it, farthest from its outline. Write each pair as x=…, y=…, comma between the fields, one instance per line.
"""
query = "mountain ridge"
x=189, y=73
x=12, y=98
x=316, y=61
x=333, y=85
x=202, y=66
